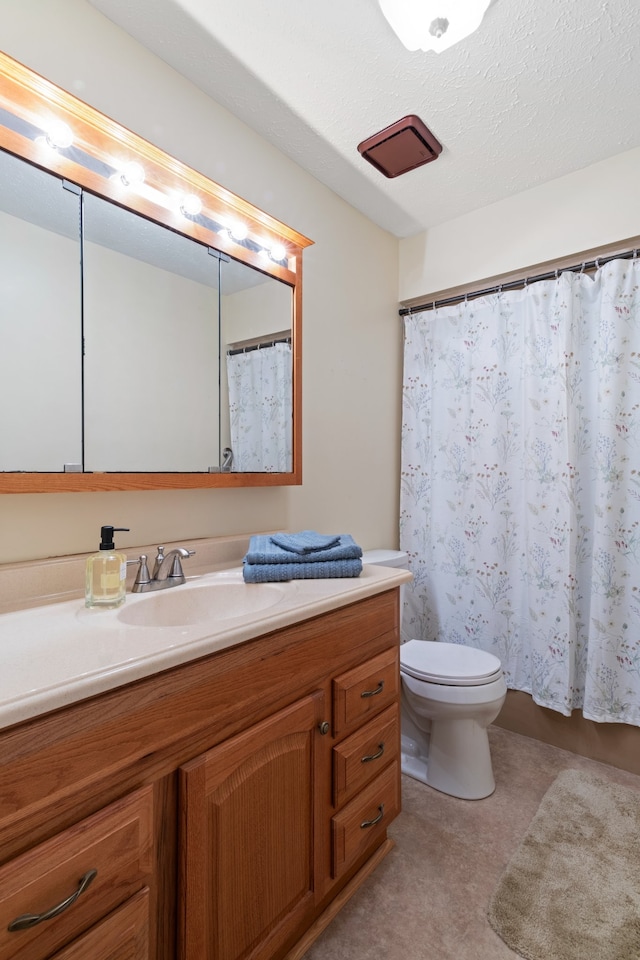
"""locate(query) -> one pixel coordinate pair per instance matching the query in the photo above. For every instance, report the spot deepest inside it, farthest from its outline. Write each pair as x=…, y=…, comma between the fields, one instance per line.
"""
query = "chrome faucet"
x=167, y=570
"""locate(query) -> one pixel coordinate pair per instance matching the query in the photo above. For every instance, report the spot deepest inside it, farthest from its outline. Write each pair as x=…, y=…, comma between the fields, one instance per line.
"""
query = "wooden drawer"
x=117, y=842
x=123, y=935
x=362, y=756
x=365, y=690
x=358, y=825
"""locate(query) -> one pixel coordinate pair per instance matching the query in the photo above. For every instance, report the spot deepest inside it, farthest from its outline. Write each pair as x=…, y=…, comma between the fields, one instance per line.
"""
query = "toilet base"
x=411, y=761
x=470, y=780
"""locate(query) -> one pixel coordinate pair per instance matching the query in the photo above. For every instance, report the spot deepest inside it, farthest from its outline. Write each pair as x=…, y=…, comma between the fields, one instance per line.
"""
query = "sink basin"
x=188, y=605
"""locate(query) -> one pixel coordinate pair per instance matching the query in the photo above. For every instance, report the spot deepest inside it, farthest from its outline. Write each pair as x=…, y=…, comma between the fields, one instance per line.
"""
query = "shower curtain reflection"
x=260, y=405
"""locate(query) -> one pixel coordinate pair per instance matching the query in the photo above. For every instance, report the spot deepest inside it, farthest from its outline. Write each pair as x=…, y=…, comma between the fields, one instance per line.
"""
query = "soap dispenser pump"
x=106, y=570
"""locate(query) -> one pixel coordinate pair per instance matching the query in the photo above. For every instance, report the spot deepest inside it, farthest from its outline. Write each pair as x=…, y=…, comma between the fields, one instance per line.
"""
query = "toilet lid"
x=452, y=664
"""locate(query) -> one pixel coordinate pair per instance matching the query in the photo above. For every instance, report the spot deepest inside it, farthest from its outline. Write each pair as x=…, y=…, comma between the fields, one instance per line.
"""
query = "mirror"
x=146, y=343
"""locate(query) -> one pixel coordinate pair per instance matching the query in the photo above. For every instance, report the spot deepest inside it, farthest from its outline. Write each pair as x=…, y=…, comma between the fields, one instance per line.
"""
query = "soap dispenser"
x=106, y=578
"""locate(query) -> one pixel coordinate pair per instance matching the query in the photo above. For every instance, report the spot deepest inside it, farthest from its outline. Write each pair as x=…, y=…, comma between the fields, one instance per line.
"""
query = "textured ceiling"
x=543, y=88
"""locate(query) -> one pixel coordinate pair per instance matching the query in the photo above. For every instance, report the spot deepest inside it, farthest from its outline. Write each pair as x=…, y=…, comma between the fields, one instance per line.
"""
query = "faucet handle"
x=158, y=561
x=142, y=575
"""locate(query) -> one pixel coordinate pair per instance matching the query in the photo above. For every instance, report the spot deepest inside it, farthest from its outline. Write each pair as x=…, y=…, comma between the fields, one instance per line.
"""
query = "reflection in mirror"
x=256, y=330
x=151, y=345
x=40, y=332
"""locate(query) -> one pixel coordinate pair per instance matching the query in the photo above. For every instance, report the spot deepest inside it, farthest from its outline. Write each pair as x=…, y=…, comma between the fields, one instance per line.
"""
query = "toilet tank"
x=386, y=558
x=391, y=558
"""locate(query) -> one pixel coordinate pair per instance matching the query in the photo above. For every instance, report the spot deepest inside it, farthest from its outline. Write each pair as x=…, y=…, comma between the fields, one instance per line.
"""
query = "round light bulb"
x=277, y=251
x=191, y=205
x=59, y=135
x=132, y=174
x=238, y=231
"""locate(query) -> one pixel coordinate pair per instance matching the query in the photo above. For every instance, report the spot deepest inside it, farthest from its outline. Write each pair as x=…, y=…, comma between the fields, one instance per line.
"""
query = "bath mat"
x=572, y=889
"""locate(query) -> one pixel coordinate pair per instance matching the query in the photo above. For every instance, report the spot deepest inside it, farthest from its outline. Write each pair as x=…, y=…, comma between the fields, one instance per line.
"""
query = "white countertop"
x=60, y=653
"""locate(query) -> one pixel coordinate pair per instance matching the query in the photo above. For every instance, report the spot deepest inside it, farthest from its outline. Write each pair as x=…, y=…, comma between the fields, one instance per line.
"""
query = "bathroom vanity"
x=230, y=787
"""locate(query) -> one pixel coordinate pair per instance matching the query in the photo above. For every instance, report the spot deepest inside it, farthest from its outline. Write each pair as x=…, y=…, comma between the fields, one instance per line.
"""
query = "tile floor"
x=427, y=900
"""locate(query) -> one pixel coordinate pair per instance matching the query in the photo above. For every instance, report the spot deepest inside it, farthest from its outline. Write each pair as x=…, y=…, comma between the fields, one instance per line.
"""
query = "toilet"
x=450, y=693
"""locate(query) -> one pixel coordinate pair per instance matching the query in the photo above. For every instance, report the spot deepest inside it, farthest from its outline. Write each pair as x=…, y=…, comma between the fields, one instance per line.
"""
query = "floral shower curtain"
x=520, y=501
x=260, y=404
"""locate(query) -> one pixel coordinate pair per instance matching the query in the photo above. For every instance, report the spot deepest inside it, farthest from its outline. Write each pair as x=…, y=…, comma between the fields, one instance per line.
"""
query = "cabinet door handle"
x=373, y=693
x=28, y=920
x=373, y=756
x=372, y=823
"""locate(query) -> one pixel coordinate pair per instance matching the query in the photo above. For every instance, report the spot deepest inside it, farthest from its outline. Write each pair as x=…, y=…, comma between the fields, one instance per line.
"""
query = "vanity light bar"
x=35, y=114
x=58, y=136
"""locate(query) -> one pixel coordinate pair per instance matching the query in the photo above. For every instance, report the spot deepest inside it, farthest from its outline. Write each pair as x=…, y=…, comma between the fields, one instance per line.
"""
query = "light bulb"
x=132, y=174
x=277, y=252
x=191, y=205
x=58, y=135
x=239, y=231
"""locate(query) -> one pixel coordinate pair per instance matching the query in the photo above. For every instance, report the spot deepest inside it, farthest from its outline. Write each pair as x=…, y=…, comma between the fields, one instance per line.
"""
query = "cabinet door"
x=247, y=817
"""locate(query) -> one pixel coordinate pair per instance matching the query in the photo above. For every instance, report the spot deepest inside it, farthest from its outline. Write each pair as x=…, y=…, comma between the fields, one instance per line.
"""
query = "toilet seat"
x=450, y=664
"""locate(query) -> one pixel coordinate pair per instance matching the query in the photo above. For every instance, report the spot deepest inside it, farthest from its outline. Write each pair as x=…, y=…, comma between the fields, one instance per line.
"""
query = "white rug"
x=572, y=889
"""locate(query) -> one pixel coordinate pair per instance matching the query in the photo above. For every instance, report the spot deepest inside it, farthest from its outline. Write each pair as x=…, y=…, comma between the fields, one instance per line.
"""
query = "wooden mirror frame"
x=31, y=98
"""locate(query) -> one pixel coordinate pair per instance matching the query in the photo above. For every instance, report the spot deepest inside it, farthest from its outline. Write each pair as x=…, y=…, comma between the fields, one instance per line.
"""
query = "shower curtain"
x=520, y=488
x=260, y=405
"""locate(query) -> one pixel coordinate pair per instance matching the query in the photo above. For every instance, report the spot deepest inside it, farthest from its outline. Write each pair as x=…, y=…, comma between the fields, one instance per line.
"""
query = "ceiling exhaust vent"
x=403, y=146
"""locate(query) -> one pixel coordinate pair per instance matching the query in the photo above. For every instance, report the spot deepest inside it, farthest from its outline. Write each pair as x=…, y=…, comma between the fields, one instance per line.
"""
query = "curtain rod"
x=257, y=346
x=516, y=284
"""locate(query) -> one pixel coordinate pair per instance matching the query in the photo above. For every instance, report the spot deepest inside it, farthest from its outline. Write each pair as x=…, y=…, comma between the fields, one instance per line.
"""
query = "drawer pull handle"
x=372, y=823
x=28, y=920
x=373, y=693
x=373, y=756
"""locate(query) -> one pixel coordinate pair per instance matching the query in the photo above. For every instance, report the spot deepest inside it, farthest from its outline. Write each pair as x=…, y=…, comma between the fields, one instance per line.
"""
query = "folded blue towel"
x=270, y=572
x=307, y=541
x=262, y=549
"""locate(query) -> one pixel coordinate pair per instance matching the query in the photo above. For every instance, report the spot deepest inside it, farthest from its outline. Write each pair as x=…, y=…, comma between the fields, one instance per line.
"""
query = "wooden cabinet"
x=366, y=764
x=228, y=806
x=247, y=865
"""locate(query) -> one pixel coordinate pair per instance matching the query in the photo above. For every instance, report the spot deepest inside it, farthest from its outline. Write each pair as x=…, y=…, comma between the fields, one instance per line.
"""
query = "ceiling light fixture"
x=433, y=24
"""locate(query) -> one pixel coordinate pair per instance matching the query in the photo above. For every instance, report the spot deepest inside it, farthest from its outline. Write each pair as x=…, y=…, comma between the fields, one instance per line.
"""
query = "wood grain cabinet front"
x=362, y=756
x=62, y=887
x=247, y=879
x=365, y=758
x=365, y=690
x=364, y=820
x=123, y=935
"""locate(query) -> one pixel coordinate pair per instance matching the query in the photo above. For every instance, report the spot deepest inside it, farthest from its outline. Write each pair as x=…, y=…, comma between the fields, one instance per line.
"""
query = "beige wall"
x=352, y=337
x=583, y=210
